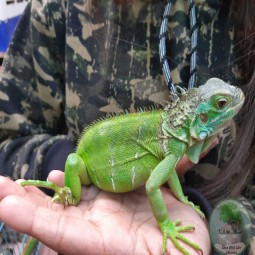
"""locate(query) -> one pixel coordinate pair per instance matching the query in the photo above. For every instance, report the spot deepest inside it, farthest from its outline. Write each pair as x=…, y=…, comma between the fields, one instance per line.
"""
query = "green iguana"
x=121, y=153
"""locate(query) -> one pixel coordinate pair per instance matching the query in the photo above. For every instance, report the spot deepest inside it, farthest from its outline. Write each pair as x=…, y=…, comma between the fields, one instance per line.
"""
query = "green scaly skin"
x=30, y=246
x=144, y=148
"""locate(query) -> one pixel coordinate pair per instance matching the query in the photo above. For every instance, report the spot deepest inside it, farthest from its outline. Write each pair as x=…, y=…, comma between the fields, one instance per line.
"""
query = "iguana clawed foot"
x=172, y=230
x=63, y=195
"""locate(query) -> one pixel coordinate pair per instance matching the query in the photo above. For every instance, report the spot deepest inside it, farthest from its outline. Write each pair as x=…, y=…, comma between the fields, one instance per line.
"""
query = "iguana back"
x=120, y=152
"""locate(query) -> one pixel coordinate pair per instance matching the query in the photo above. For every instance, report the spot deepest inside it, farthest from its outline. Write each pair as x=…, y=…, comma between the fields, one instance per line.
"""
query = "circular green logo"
x=230, y=228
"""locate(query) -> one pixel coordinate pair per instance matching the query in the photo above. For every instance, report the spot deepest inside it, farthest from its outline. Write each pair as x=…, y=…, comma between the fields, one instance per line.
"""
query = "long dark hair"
x=238, y=174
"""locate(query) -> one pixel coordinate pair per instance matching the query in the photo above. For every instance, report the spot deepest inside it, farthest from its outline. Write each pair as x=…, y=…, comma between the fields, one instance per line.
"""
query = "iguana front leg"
x=176, y=188
x=169, y=229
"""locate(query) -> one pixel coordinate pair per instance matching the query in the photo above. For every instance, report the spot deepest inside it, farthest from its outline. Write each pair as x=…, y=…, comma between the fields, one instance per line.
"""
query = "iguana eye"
x=203, y=117
x=221, y=103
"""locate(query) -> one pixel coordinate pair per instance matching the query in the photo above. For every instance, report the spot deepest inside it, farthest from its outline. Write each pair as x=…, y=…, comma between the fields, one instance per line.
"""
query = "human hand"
x=102, y=223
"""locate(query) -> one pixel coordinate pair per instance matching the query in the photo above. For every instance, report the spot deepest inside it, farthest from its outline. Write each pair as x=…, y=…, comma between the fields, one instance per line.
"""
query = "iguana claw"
x=195, y=207
x=172, y=230
x=64, y=196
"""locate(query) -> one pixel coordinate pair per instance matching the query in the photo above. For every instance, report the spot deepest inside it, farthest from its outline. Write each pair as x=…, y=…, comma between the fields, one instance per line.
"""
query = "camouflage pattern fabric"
x=72, y=62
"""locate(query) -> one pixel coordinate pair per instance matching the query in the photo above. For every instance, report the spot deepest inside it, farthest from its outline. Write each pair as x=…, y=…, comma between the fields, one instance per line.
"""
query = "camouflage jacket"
x=71, y=62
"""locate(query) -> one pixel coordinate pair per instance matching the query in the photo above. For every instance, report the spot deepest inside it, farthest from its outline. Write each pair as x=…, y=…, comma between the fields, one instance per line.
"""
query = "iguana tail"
x=30, y=246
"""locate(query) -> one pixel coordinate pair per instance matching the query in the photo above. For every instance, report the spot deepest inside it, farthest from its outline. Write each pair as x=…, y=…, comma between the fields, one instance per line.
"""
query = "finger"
x=9, y=187
x=61, y=228
x=10, y=205
x=57, y=177
x=29, y=214
x=54, y=229
x=184, y=165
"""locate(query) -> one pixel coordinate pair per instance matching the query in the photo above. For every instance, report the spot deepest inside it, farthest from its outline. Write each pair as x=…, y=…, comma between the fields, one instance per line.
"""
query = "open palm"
x=102, y=223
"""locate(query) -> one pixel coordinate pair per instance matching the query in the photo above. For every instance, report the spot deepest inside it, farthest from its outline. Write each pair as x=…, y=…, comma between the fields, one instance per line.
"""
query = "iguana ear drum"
x=203, y=117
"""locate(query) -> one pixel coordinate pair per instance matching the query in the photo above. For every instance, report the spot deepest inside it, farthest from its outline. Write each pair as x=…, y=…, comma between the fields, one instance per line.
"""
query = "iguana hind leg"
x=75, y=176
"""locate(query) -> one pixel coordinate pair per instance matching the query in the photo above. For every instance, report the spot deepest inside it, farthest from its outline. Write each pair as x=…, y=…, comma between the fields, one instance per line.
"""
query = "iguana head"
x=213, y=105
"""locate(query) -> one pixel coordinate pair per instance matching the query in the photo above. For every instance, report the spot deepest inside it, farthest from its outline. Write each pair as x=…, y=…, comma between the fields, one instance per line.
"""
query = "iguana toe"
x=172, y=231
